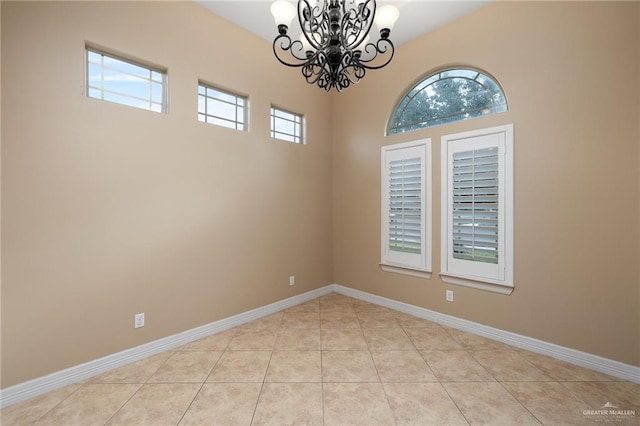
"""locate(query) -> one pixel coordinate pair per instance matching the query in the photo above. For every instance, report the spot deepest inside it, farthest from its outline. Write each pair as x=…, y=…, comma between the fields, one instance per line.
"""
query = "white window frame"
x=156, y=76
x=297, y=120
x=495, y=99
x=492, y=277
x=414, y=264
x=240, y=104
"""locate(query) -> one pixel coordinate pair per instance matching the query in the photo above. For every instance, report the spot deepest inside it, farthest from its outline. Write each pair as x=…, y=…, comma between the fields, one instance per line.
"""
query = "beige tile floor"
x=337, y=361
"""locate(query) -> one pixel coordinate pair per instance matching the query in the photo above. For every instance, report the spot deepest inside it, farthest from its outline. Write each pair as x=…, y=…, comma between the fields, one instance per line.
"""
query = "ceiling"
x=417, y=17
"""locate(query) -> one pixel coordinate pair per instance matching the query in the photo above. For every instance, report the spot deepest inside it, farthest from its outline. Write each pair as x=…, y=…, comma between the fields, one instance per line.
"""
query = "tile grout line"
x=519, y=402
x=455, y=403
x=266, y=371
x=321, y=368
x=55, y=405
x=384, y=391
x=140, y=387
x=204, y=382
x=124, y=403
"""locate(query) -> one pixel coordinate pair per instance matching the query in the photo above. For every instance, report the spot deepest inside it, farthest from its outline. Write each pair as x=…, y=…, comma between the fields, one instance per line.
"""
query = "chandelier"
x=334, y=49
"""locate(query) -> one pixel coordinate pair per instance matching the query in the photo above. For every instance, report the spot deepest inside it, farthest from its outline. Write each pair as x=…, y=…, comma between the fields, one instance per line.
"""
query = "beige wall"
x=570, y=72
x=108, y=211
x=0, y=193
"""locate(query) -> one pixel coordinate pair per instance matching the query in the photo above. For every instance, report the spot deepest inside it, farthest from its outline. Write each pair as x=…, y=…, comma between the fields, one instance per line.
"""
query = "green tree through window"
x=446, y=96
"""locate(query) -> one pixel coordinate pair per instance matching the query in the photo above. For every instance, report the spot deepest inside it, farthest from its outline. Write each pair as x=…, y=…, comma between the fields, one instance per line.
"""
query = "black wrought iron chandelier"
x=334, y=49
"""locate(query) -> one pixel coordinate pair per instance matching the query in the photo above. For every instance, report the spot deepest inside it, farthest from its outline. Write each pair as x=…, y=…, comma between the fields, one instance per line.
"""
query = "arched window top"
x=448, y=95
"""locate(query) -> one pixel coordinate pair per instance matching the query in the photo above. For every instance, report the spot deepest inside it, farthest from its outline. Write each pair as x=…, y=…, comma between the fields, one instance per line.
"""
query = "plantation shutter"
x=475, y=205
x=405, y=205
x=477, y=209
x=406, y=208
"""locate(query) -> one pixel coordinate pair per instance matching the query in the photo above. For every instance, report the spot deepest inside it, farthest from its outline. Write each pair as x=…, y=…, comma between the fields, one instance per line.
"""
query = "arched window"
x=445, y=96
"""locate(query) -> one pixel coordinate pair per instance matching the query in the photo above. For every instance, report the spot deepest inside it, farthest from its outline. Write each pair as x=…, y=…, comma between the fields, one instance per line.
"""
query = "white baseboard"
x=41, y=385
x=573, y=356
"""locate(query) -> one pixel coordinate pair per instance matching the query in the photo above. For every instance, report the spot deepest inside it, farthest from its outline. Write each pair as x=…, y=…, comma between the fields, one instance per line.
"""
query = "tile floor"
x=337, y=361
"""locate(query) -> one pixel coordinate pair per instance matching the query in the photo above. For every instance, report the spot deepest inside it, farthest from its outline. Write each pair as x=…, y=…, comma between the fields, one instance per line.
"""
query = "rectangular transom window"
x=406, y=208
x=221, y=108
x=477, y=209
x=115, y=79
x=286, y=125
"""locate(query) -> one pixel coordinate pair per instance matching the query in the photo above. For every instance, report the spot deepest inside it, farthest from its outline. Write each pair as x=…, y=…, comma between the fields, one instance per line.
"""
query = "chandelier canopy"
x=334, y=49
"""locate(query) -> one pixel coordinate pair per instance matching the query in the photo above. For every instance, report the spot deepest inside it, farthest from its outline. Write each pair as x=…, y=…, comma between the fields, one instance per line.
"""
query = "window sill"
x=418, y=273
x=477, y=284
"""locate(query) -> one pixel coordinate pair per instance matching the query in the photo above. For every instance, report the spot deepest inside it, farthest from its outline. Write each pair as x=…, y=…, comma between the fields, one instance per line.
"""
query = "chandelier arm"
x=354, y=73
x=283, y=43
x=324, y=80
x=356, y=23
x=313, y=70
x=382, y=47
x=311, y=73
x=314, y=21
x=351, y=71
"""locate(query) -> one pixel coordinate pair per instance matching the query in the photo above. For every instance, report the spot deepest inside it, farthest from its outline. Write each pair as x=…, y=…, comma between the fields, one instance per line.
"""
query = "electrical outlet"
x=138, y=320
x=449, y=296
x=292, y=280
